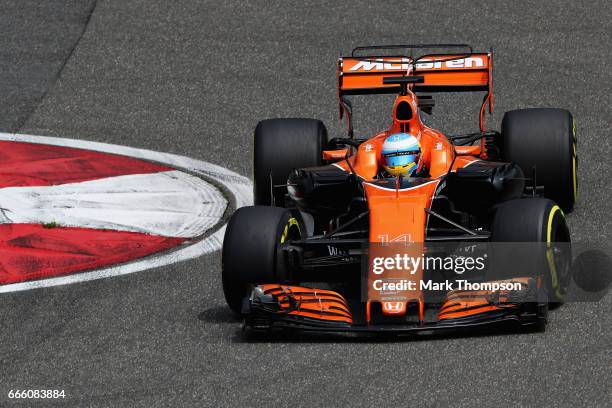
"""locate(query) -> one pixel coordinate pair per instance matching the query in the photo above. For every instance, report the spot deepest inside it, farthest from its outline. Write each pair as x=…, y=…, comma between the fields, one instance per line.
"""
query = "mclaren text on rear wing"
x=441, y=73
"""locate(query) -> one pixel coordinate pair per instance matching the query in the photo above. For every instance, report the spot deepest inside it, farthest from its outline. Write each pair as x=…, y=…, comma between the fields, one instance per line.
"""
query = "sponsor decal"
x=381, y=64
x=386, y=64
x=346, y=257
x=471, y=62
x=394, y=307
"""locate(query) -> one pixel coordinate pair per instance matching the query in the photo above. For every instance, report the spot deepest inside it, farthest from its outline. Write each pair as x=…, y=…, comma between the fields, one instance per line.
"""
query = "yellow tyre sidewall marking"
x=575, y=178
x=554, y=278
x=290, y=223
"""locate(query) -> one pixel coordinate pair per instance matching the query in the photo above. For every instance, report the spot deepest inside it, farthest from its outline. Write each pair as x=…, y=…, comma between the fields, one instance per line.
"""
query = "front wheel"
x=250, y=246
x=536, y=236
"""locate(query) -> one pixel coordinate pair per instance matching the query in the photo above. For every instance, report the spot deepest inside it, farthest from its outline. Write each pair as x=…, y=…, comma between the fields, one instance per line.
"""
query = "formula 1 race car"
x=304, y=255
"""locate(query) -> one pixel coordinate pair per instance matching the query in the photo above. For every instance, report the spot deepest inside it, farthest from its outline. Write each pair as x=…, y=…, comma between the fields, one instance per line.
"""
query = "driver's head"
x=401, y=154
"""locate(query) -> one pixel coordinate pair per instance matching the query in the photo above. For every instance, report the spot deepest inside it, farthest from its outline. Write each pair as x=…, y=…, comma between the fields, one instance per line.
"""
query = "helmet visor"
x=401, y=158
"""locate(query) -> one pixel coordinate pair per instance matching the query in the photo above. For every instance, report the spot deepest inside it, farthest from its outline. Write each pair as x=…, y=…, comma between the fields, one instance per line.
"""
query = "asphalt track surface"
x=193, y=78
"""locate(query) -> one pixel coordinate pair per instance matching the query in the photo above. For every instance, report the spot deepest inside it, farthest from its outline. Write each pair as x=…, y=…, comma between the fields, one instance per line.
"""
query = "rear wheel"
x=282, y=145
x=250, y=250
x=543, y=138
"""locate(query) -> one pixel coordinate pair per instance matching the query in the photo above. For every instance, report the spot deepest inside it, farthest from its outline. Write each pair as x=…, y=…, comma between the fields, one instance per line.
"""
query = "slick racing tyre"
x=541, y=223
x=544, y=138
x=249, y=253
x=282, y=145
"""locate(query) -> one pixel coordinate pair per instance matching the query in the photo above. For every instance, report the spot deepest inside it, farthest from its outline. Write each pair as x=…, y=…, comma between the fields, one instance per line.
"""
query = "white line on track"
x=238, y=186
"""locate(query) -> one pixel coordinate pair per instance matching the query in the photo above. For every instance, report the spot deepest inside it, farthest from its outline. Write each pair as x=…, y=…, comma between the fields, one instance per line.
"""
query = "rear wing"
x=469, y=71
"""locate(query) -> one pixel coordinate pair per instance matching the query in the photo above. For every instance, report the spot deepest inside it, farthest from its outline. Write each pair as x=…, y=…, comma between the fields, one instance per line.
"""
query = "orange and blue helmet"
x=401, y=154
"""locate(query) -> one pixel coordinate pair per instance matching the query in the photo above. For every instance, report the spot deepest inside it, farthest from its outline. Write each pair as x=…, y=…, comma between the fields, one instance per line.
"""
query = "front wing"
x=274, y=307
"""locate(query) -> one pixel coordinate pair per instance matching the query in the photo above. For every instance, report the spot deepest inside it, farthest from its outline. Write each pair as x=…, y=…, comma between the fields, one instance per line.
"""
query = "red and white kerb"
x=66, y=210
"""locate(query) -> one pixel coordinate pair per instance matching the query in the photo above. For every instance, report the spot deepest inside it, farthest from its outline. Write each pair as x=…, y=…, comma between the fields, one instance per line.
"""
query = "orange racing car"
x=306, y=255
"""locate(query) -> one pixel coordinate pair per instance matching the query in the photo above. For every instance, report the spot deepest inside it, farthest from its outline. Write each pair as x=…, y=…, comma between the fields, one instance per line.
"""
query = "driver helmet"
x=401, y=154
